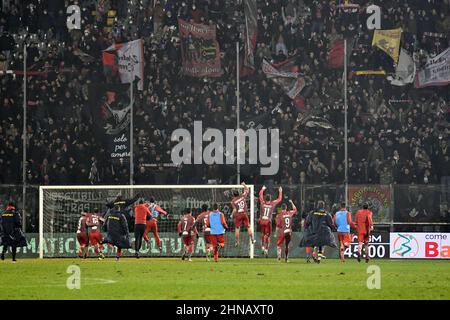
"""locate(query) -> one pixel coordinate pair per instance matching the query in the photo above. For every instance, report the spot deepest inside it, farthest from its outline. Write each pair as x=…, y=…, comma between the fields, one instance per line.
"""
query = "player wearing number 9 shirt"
x=240, y=213
x=265, y=218
x=284, y=221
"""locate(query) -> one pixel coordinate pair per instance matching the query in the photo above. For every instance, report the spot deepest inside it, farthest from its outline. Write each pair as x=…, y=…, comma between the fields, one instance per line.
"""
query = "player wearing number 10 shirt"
x=284, y=222
x=240, y=213
x=265, y=217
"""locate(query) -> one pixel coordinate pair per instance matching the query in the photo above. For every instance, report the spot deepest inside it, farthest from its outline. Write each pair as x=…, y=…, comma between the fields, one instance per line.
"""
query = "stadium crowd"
x=396, y=134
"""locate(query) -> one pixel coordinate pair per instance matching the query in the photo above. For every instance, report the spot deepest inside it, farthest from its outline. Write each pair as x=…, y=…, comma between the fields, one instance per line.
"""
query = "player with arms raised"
x=186, y=230
x=116, y=225
x=240, y=213
x=265, y=217
x=284, y=222
x=364, y=225
x=203, y=219
x=94, y=223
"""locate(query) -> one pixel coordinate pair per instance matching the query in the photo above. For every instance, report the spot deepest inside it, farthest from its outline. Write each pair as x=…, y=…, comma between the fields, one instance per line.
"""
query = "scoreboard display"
x=378, y=246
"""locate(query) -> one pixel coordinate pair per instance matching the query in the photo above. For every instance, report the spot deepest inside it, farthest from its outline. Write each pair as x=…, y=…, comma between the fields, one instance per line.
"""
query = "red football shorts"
x=83, y=239
x=282, y=237
x=207, y=237
x=344, y=237
x=188, y=240
x=217, y=239
x=363, y=237
x=95, y=237
x=266, y=226
x=241, y=218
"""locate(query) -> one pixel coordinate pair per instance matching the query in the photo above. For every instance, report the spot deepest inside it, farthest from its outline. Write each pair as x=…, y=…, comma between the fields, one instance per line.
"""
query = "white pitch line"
x=97, y=281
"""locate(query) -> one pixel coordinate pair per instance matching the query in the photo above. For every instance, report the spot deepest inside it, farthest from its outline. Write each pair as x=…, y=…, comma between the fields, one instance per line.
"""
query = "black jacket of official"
x=116, y=227
x=11, y=234
x=116, y=224
x=318, y=230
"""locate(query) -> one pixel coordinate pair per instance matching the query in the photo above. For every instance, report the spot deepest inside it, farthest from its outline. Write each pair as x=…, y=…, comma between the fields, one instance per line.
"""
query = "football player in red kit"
x=364, y=225
x=186, y=230
x=152, y=222
x=240, y=213
x=203, y=219
x=284, y=222
x=83, y=236
x=141, y=213
x=265, y=217
x=94, y=222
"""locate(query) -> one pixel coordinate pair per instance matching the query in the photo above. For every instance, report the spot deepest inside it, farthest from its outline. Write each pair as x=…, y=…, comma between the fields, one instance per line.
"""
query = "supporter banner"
x=436, y=71
x=259, y=121
x=336, y=54
x=433, y=245
x=377, y=196
x=405, y=70
x=314, y=121
x=369, y=72
x=111, y=107
x=286, y=76
x=388, y=41
x=199, y=50
x=250, y=36
x=335, y=57
x=126, y=59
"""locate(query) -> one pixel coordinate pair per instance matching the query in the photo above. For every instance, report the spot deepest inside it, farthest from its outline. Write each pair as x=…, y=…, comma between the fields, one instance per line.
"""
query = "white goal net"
x=60, y=208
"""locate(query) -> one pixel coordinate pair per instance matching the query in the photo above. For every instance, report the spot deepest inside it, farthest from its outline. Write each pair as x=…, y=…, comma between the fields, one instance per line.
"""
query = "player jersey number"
x=266, y=212
x=287, y=225
x=241, y=205
x=185, y=232
x=205, y=224
x=94, y=222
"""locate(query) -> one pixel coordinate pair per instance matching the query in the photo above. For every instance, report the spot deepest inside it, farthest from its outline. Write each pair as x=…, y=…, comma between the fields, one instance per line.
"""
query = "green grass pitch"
x=170, y=278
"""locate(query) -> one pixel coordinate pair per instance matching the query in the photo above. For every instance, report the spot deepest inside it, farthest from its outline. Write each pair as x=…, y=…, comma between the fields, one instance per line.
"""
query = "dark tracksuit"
x=116, y=224
x=318, y=231
x=11, y=231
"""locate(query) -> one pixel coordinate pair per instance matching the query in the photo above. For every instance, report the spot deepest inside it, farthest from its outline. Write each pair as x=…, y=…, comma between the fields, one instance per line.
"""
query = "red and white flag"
x=286, y=75
x=127, y=60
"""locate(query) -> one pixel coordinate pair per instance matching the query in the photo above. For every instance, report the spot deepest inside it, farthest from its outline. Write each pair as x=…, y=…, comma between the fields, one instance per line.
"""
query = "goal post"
x=60, y=208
